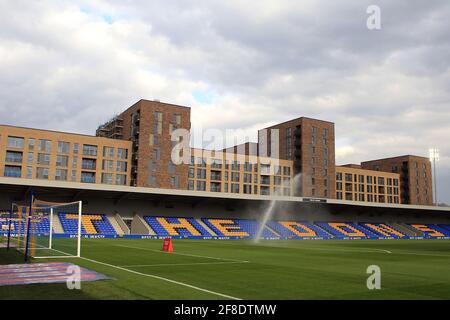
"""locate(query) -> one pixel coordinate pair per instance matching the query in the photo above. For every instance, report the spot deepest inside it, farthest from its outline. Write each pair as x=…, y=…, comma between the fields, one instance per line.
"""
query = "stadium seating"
x=383, y=230
x=90, y=224
x=227, y=227
x=172, y=226
x=344, y=230
x=294, y=230
x=430, y=231
x=99, y=224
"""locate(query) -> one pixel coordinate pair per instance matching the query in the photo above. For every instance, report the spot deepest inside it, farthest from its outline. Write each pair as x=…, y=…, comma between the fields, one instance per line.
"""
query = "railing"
x=87, y=179
x=15, y=159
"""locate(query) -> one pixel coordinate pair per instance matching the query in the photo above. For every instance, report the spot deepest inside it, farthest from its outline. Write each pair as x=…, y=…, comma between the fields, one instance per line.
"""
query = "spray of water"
x=271, y=209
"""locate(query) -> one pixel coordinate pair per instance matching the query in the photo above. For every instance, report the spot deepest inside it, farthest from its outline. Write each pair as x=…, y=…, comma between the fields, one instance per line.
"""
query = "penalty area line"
x=183, y=264
x=163, y=279
x=183, y=254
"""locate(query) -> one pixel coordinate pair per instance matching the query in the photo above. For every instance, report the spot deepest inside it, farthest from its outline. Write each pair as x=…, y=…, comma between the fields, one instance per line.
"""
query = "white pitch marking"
x=163, y=279
x=182, y=264
x=182, y=254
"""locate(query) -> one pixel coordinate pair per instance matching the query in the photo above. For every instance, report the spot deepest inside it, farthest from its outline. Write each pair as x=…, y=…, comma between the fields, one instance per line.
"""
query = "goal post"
x=46, y=229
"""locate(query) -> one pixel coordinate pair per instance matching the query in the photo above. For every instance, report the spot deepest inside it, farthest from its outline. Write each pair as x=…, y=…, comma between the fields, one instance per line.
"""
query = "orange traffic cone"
x=167, y=245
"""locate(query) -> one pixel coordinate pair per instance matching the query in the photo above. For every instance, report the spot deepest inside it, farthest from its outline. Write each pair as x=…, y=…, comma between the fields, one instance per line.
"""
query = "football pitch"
x=241, y=269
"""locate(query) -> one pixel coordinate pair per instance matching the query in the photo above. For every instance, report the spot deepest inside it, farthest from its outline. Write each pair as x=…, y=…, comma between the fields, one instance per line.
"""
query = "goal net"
x=46, y=229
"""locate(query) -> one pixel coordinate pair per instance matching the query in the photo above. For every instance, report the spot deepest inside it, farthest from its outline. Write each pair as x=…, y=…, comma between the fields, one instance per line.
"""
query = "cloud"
x=70, y=65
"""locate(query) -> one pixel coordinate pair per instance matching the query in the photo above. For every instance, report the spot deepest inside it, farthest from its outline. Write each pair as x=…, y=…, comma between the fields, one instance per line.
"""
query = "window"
x=121, y=179
x=74, y=175
x=45, y=146
x=277, y=181
x=201, y=174
x=108, y=152
x=247, y=189
x=121, y=166
x=74, y=162
x=191, y=173
x=75, y=148
x=339, y=176
x=15, y=142
x=190, y=184
x=42, y=173
x=287, y=171
x=61, y=174
x=108, y=165
x=89, y=150
x=30, y=157
x=157, y=154
x=248, y=178
x=63, y=147
x=31, y=143
x=13, y=171
x=216, y=175
x=174, y=182
x=288, y=143
x=235, y=176
x=234, y=188
x=265, y=169
x=201, y=185
x=265, y=180
x=153, y=139
x=29, y=172
x=248, y=167
x=43, y=159
x=12, y=156
x=88, y=164
x=107, y=178
x=122, y=153
x=264, y=191
x=87, y=177
x=176, y=119
x=62, y=161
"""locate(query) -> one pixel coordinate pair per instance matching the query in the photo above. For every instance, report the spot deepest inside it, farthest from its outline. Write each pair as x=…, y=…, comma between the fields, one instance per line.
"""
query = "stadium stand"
x=226, y=227
x=90, y=224
x=296, y=230
x=172, y=226
x=383, y=230
x=344, y=230
x=430, y=231
x=99, y=224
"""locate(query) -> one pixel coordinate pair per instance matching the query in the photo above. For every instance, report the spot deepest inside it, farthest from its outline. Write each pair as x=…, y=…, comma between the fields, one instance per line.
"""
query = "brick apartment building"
x=356, y=184
x=135, y=148
x=310, y=144
x=148, y=125
x=52, y=155
x=415, y=177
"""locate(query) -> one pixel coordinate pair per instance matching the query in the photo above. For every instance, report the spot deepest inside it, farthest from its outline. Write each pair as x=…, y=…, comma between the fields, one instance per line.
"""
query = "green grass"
x=410, y=269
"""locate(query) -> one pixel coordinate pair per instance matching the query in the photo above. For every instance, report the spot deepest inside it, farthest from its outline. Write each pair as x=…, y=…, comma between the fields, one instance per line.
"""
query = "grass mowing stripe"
x=183, y=254
x=182, y=264
x=163, y=279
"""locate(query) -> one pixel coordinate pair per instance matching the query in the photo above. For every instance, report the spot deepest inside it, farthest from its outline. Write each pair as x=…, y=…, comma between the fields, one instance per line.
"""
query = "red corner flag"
x=167, y=245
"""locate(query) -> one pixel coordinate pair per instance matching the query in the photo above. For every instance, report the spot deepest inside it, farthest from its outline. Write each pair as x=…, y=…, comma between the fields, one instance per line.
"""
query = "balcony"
x=13, y=172
x=87, y=177
x=89, y=164
x=216, y=176
x=14, y=157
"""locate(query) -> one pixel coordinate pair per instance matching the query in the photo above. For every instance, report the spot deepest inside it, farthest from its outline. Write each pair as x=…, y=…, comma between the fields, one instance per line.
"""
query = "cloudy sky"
x=70, y=65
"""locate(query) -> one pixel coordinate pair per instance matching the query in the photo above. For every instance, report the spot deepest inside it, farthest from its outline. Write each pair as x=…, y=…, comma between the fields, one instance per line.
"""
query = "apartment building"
x=148, y=125
x=51, y=155
x=310, y=145
x=356, y=184
x=218, y=171
x=415, y=177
